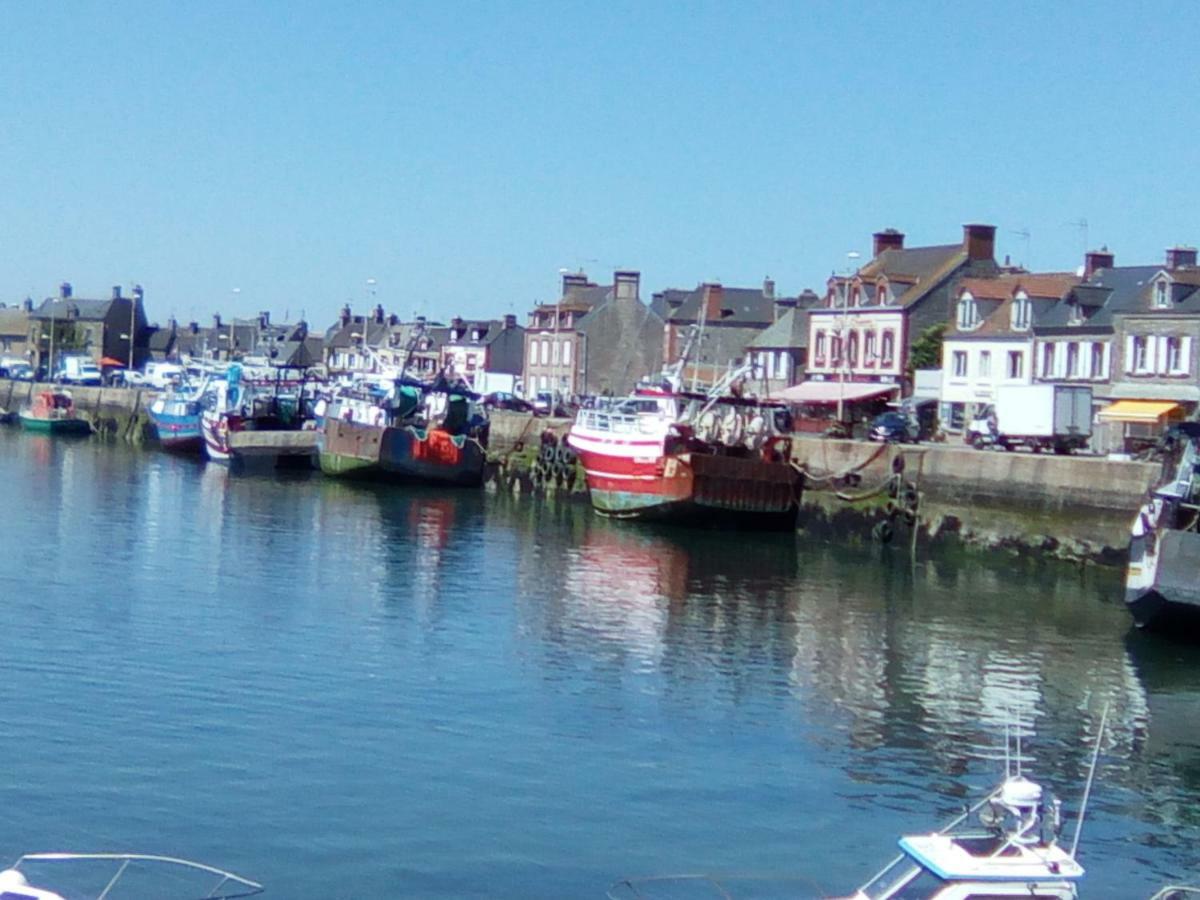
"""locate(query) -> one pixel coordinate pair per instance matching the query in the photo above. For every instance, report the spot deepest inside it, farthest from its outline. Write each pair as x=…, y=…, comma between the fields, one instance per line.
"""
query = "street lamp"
x=843, y=340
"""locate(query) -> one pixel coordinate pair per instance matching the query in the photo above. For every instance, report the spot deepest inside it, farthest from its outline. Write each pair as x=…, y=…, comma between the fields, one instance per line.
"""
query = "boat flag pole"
x=1087, y=790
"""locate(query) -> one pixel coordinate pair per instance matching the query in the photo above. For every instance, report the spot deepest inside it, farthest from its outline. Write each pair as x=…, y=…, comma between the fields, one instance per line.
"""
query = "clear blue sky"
x=461, y=154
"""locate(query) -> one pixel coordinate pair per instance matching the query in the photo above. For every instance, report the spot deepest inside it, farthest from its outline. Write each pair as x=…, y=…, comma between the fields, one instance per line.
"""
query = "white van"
x=79, y=370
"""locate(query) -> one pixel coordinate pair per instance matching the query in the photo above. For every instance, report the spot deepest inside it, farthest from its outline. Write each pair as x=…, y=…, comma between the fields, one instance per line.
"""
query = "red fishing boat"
x=716, y=458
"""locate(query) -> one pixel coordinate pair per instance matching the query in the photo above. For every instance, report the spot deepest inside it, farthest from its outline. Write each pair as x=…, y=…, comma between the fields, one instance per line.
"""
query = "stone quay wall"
x=113, y=411
x=1077, y=508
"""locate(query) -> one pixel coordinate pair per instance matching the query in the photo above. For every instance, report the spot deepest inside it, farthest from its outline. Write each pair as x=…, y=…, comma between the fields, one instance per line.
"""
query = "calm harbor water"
x=348, y=692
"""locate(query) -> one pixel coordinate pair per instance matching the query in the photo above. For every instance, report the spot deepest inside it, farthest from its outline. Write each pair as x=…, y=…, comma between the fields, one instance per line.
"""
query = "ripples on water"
x=348, y=692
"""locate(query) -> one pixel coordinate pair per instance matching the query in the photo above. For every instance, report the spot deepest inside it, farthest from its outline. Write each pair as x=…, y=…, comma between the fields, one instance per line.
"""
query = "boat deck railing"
x=227, y=886
x=618, y=422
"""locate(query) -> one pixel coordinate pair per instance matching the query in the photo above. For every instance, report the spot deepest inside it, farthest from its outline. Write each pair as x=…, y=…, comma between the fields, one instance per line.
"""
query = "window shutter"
x=1158, y=356
x=1105, y=360
x=1185, y=356
x=1128, y=354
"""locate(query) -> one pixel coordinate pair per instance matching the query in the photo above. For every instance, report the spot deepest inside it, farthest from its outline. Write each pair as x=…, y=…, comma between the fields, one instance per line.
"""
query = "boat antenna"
x=1087, y=790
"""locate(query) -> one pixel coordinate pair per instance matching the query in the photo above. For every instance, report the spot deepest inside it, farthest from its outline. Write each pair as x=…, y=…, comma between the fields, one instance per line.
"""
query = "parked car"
x=505, y=400
x=543, y=403
x=23, y=372
x=79, y=370
x=895, y=427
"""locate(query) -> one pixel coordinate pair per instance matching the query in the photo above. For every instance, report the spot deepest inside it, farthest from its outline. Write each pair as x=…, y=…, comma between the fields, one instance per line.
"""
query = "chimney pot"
x=1179, y=257
x=626, y=284
x=573, y=280
x=888, y=239
x=1095, y=260
x=979, y=242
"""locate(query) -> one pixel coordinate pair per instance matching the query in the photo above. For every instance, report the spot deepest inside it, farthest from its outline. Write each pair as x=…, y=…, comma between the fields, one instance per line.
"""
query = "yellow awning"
x=1138, y=410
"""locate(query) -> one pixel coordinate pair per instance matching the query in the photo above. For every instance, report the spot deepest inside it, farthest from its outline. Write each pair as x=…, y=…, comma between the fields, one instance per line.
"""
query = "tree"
x=926, y=350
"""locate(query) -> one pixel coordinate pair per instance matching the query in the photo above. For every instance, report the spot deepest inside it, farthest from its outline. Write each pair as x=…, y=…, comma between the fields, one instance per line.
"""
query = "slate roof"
x=745, y=306
x=66, y=307
x=790, y=332
x=918, y=270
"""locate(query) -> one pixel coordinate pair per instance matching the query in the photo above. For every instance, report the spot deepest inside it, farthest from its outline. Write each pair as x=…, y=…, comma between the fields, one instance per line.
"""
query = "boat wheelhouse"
x=54, y=412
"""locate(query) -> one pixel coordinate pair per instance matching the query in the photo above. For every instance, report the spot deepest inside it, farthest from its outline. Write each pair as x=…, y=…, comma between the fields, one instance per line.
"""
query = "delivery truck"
x=1040, y=417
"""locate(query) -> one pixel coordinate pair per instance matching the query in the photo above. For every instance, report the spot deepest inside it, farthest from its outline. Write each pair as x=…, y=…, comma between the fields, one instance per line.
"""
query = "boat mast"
x=1087, y=790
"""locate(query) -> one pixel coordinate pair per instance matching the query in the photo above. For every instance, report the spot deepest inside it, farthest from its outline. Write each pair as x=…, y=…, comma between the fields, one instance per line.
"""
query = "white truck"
x=1041, y=417
x=79, y=370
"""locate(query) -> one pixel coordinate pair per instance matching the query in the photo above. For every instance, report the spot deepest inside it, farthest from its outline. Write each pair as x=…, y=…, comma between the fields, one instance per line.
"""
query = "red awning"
x=109, y=361
x=832, y=391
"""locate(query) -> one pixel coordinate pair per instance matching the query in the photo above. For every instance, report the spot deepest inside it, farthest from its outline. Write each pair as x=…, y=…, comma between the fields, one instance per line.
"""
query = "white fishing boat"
x=59, y=876
x=1006, y=845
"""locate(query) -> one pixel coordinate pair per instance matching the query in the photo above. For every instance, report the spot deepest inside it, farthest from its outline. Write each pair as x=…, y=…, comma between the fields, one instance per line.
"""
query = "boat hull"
x=401, y=455
x=695, y=489
x=55, y=426
x=1162, y=590
x=178, y=433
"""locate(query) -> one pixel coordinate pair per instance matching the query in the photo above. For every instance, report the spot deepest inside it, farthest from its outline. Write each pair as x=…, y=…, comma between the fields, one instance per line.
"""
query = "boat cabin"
x=53, y=405
x=1007, y=857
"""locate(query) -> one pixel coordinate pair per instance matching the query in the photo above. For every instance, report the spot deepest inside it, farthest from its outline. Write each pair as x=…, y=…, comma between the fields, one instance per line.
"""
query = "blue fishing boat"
x=176, y=417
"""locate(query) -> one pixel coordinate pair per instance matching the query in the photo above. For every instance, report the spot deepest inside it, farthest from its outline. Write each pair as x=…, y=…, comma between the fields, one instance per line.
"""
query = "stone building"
x=595, y=339
x=114, y=328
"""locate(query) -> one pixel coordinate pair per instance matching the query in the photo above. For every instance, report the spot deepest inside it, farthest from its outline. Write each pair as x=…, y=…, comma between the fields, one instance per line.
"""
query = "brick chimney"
x=379, y=314
x=888, y=239
x=264, y=319
x=626, y=284
x=1095, y=260
x=27, y=305
x=64, y=290
x=346, y=316
x=216, y=320
x=510, y=321
x=1178, y=257
x=979, y=242
x=116, y=294
x=769, y=288
x=714, y=296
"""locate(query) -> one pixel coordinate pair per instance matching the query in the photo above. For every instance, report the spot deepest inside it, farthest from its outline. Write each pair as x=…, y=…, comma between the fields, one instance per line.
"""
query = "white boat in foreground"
x=149, y=875
x=1006, y=845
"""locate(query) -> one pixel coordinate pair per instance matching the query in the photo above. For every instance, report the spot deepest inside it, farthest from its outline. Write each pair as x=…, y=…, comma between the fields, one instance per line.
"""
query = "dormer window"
x=968, y=312
x=1075, y=316
x=1021, y=313
x=881, y=293
x=1160, y=294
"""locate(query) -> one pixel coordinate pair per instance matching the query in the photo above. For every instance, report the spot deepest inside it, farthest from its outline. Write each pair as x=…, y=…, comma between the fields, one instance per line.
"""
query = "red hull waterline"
x=695, y=489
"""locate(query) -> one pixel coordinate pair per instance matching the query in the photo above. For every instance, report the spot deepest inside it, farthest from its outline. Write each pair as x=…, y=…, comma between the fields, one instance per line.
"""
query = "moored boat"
x=244, y=420
x=408, y=432
x=1005, y=845
x=715, y=458
x=176, y=416
x=54, y=412
x=1162, y=590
